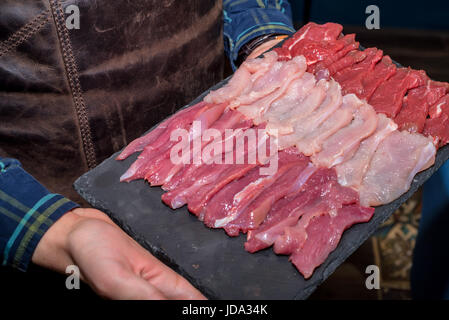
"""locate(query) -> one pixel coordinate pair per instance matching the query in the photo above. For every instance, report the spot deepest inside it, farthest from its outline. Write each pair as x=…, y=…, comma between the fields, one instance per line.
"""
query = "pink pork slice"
x=287, y=211
x=242, y=198
x=178, y=119
x=388, y=96
x=162, y=143
x=332, y=199
x=186, y=172
x=341, y=145
x=324, y=234
x=287, y=184
x=153, y=159
x=415, y=106
x=437, y=126
x=215, y=173
x=230, y=119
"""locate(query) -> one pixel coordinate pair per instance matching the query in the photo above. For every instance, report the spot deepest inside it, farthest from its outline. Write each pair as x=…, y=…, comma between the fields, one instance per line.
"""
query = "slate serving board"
x=215, y=263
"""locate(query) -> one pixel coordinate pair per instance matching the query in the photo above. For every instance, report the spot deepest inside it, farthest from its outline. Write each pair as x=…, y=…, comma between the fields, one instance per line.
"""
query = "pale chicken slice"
x=236, y=85
x=312, y=143
x=303, y=126
x=350, y=173
x=399, y=157
x=289, y=72
x=276, y=77
x=343, y=144
x=243, y=79
x=283, y=123
x=295, y=94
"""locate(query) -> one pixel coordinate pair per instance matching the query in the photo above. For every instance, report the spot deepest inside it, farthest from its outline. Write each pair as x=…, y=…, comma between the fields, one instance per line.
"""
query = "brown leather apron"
x=69, y=98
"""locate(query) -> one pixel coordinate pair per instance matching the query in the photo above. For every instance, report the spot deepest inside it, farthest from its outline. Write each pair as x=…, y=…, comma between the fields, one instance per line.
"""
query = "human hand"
x=110, y=261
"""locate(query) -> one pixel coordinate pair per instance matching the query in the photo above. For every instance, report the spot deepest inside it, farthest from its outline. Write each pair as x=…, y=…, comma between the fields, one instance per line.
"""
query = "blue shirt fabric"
x=27, y=209
x=245, y=20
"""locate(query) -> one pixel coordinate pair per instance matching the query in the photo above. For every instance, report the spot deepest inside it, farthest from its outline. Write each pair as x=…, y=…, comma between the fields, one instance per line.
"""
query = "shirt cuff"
x=275, y=22
x=27, y=211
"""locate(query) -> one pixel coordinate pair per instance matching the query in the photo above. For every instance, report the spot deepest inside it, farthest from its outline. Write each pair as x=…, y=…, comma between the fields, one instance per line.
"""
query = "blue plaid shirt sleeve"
x=27, y=211
x=245, y=20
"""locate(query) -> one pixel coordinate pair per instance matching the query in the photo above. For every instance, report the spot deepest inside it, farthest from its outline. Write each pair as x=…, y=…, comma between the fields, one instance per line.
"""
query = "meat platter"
x=217, y=264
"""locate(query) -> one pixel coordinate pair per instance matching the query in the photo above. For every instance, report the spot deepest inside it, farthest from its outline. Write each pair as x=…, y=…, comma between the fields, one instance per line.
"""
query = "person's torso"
x=69, y=98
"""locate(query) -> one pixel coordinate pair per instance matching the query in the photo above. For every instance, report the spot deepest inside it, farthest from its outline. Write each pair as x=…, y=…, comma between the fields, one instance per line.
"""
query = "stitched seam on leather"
x=72, y=75
x=24, y=33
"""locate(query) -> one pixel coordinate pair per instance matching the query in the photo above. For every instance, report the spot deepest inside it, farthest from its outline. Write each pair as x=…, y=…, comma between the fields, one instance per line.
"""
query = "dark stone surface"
x=216, y=264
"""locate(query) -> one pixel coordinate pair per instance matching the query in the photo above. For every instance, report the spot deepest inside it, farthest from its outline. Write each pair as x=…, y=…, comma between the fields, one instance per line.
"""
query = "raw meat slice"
x=351, y=172
x=279, y=81
x=313, y=141
x=315, y=51
x=253, y=213
x=301, y=125
x=158, y=148
x=437, y=126
x=230, y=119
x=388, y=96
x=282, y=123
x=217, y=173
x=383, y=71
x=324, y=234
x=283, y=53
x=334, y=197
x=351, y=78
x=415, y=106
x=255, y=184
x=157, y=169
x=286, y=160
x=349, y=45
x=314, y=32
x=232, y=89
x=218, y=207
x=295, y=94
x=187, y=171
x=353, y=57
x=346, y=140
x=399, y=157
x=140, y=143
x=264, y=83
x=286, y=212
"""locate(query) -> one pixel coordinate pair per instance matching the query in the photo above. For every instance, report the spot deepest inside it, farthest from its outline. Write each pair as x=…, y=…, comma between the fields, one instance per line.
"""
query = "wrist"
x=252, y=47
x=53, y=250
